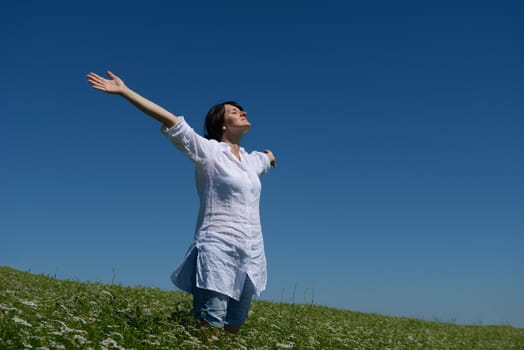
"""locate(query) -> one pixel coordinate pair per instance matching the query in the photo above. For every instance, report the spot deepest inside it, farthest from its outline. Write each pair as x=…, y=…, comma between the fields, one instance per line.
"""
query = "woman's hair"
x=215, y=120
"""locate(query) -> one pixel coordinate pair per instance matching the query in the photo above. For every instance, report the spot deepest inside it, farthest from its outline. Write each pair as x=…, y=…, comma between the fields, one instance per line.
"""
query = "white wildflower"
x=152, y=342
x=29, y=303
x=116, y=334
x=65, y=328
x=193, y=341
x=64, y=308
x=108, y=342
x=106, y=293
x=80, y=339
x=22, y=322
x=285, y=346
x=78, y=319
x=7, y=308
x=56, y=345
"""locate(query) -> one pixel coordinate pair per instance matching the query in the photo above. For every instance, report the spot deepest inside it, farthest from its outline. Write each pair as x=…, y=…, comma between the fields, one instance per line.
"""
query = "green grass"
x=39, y=312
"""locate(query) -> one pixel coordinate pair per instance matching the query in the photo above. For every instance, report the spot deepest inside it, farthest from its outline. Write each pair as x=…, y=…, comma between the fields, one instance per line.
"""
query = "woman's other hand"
x=271, y=157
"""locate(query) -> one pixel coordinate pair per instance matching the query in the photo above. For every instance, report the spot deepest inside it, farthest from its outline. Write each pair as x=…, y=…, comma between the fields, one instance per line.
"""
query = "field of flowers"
x=39, y=312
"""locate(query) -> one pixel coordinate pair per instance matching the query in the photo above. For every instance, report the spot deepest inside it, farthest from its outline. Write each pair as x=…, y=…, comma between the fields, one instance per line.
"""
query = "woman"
x=225, y=265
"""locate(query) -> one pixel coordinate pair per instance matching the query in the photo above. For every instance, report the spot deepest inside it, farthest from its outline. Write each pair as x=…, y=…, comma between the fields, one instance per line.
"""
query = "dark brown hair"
x=215, y=120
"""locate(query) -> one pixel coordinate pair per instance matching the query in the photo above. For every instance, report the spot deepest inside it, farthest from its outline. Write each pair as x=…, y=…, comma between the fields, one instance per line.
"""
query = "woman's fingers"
x=100, y=83
x=95, y=77
x=97, y=86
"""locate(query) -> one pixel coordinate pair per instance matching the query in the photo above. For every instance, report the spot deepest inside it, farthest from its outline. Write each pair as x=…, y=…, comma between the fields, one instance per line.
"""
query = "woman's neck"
x=235, y=147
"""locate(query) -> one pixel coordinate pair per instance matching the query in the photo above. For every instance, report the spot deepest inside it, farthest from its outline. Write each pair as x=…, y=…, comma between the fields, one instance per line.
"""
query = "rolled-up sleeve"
x=187, y=141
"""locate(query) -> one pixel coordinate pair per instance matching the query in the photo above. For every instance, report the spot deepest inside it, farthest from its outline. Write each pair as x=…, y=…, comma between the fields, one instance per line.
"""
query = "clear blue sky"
x=398, y=128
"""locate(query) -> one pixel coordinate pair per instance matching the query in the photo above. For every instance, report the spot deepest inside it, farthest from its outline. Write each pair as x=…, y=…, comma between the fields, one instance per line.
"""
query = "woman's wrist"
x=125, y=92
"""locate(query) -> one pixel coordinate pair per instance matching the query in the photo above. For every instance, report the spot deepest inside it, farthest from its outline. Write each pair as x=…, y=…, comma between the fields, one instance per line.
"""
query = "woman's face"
x=235, y=119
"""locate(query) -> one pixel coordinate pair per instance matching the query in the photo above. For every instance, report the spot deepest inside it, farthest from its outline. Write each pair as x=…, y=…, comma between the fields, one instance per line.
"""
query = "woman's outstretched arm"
x=115, y=85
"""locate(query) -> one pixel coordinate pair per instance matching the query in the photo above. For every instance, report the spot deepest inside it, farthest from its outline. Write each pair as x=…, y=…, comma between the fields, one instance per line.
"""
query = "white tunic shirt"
x=228, y=244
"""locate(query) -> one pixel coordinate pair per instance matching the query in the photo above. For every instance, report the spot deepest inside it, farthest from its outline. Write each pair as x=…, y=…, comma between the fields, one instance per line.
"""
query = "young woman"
x=226, y=264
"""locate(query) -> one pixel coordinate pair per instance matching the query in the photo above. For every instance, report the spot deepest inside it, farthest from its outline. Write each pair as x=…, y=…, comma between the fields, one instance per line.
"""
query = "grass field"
x=40, y=312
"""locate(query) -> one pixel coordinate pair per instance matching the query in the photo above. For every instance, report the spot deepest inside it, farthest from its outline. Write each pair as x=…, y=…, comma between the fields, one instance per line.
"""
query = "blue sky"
x=397, y=127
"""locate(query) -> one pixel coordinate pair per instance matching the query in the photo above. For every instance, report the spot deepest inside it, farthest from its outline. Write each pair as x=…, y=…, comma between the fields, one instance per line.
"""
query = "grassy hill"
x=39, y=312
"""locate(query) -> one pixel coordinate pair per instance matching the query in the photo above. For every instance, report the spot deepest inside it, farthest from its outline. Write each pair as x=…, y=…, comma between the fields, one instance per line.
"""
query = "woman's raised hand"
x=115, y=85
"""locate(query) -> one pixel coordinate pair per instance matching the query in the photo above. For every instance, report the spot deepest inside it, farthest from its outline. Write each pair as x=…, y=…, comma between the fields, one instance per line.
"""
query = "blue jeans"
x=219, y=310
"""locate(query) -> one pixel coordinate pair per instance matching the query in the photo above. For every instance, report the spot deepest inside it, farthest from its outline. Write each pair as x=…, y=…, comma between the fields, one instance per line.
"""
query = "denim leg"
x=237, y=311
x=210, y=306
